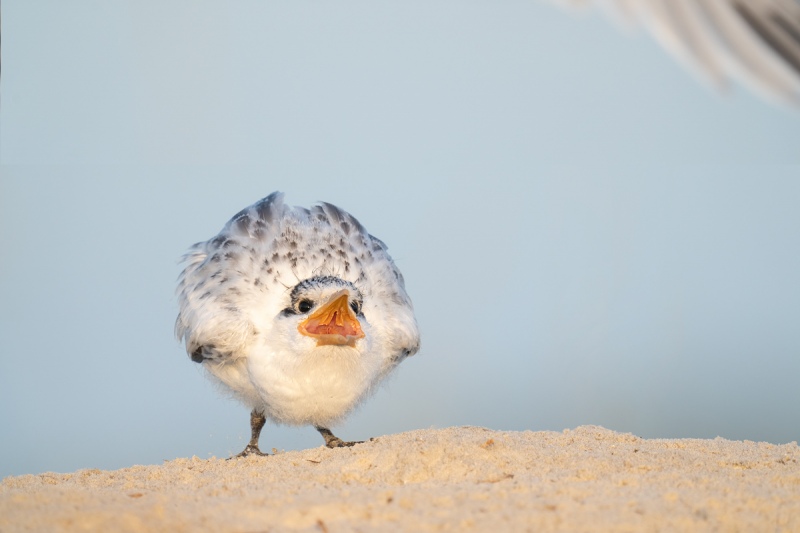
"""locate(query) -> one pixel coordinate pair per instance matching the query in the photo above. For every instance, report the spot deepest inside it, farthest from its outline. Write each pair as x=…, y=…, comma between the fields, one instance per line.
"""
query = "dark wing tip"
x=779, y=32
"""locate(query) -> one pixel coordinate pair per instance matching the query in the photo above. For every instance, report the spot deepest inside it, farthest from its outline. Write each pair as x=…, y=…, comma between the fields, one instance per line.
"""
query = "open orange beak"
x=334, y=323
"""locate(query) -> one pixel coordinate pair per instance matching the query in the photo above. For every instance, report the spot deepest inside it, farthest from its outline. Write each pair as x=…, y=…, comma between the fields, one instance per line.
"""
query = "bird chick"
x=299, y=312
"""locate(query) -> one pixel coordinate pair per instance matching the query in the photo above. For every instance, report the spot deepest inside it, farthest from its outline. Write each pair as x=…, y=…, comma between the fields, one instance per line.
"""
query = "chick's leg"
x=332, y=441
x=257, y=420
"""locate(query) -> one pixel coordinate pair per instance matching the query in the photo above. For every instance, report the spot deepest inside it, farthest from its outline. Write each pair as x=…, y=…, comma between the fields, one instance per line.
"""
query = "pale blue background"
x=589, y=235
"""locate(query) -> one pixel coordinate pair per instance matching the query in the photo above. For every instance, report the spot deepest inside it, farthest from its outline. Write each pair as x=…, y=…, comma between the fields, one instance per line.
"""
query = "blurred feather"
x=755, y=42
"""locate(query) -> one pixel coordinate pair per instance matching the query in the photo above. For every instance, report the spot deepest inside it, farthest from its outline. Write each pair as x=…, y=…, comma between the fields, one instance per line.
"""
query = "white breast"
x=318, y=387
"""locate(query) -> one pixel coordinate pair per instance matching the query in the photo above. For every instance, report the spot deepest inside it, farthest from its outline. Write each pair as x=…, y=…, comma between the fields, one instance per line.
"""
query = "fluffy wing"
x=756, y=42
x=384, y=282
x=218, y=281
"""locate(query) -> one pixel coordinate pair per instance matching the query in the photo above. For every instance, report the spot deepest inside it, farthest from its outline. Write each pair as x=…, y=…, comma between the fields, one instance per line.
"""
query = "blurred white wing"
x=756, y=42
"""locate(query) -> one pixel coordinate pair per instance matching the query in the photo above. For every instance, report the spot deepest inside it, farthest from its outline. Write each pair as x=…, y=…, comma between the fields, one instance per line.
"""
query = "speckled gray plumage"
x=238, y=296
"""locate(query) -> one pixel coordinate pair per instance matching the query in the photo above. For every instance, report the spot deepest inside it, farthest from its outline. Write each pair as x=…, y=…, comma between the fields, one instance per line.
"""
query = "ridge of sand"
x=453, y=479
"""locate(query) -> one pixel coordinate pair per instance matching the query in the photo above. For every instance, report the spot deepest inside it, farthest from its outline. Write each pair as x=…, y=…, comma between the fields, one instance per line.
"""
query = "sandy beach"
x=453, y=479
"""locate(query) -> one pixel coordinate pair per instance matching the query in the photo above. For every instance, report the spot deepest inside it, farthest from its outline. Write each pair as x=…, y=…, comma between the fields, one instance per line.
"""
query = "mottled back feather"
x=259, y=255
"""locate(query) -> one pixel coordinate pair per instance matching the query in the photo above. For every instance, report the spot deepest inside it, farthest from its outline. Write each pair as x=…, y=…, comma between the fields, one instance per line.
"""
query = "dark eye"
x=356, y=307
x=304, y=306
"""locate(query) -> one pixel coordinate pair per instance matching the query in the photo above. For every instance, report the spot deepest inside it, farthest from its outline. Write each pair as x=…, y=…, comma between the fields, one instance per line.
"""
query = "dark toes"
x=249, y=450
x=339, y=443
